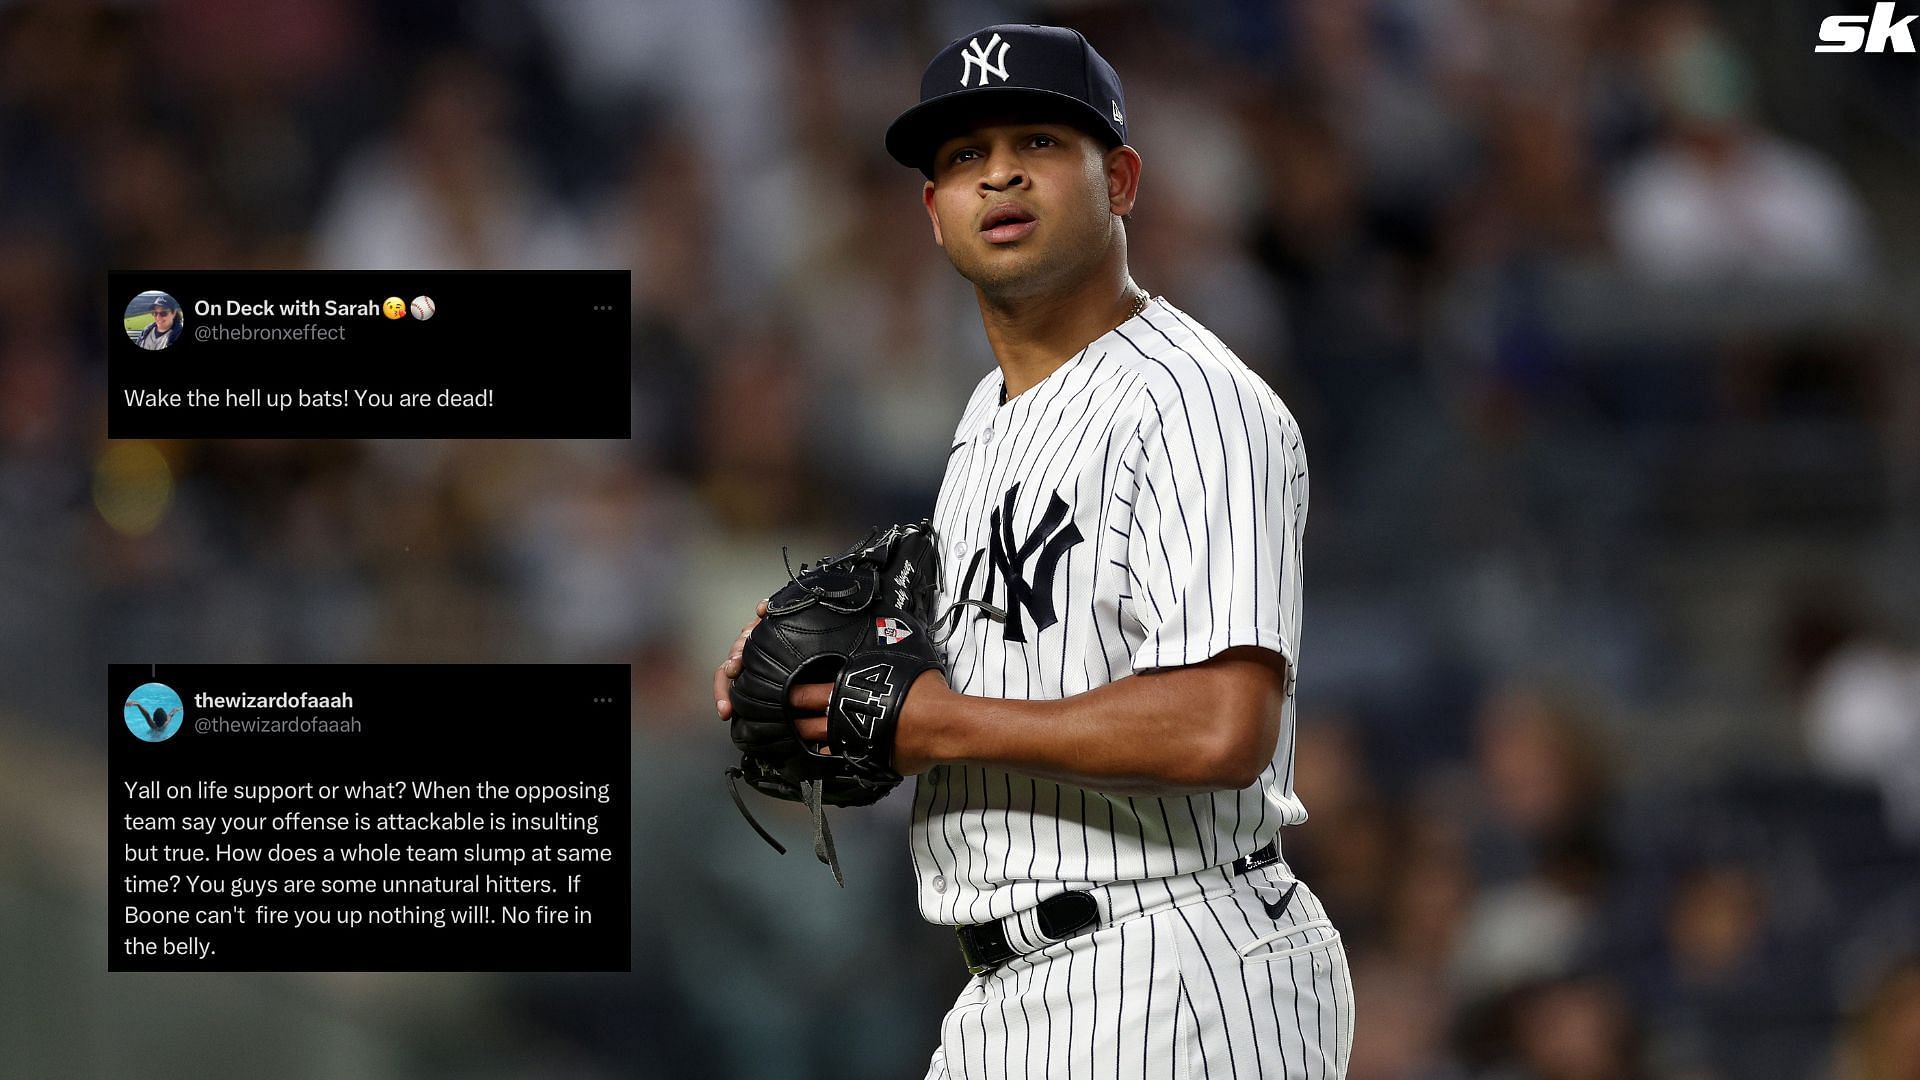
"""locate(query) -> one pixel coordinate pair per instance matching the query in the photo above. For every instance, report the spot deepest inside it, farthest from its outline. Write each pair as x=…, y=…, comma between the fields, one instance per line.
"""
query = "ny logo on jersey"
x=1049, y=541
x=976, y=56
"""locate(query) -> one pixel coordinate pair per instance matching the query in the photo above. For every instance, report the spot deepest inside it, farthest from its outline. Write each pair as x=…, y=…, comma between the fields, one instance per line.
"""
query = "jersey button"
x=939, y=883
x=986, y=436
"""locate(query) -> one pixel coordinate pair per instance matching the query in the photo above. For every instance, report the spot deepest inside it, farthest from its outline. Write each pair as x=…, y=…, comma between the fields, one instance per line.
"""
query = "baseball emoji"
x=394, y=307
x=422, y=307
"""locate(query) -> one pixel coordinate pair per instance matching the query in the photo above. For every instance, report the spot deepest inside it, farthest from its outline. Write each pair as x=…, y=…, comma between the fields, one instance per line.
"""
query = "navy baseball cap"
x=1051, y=67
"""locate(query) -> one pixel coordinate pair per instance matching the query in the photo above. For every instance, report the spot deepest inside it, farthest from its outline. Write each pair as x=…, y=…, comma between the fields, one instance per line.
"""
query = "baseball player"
x=165, y=327
x=1106, y=764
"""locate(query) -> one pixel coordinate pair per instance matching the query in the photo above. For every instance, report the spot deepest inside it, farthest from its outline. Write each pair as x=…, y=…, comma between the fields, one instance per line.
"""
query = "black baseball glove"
x=861, y=620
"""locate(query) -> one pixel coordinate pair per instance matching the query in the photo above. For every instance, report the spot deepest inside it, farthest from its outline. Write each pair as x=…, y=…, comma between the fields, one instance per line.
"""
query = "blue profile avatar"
x=153, y=711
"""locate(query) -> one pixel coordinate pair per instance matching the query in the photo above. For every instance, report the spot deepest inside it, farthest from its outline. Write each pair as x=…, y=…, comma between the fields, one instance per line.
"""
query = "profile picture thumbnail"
x=153, y=320
x=153, y=711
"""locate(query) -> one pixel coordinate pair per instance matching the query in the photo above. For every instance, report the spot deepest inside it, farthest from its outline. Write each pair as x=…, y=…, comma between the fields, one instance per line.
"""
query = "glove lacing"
x=822, y=836
x=811, y=794
x=734, y=776
x=948, y=622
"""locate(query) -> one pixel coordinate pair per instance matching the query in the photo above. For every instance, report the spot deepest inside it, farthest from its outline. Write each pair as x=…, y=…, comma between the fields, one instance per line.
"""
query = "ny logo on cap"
x=976, y=55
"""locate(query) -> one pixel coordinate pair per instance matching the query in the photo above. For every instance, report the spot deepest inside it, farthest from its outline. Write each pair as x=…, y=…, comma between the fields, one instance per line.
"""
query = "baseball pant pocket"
x=1266, y=987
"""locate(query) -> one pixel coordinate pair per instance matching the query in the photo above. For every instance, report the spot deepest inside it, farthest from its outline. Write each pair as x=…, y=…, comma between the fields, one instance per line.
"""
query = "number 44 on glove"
x=862, y=620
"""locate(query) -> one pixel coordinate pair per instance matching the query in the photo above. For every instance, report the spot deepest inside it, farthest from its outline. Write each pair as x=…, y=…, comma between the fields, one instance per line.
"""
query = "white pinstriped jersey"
x=1141, y=507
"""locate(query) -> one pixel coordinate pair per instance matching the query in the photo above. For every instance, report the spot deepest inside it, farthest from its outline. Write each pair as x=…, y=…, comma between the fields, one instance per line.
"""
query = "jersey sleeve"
x=1219, y=508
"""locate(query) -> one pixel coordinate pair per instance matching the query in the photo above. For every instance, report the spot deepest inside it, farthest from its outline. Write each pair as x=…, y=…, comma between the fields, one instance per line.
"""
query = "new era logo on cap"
x=1050, y=69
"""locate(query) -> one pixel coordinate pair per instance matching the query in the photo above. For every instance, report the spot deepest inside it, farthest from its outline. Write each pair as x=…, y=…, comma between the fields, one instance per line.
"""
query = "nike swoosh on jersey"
x=1279, y=907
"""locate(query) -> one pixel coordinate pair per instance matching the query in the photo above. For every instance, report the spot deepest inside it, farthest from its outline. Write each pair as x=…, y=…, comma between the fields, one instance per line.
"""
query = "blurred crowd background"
x=1597, y=315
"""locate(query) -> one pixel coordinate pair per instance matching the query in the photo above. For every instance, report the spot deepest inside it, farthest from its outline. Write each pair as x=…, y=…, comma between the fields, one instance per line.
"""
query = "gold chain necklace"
x=1139, y=305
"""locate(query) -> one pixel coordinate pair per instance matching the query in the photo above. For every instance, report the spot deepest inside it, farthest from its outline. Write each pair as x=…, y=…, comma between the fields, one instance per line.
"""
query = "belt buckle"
x=975, y=966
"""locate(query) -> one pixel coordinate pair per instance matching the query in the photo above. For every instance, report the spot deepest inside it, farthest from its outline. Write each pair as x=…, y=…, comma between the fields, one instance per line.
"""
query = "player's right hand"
x=729, y=668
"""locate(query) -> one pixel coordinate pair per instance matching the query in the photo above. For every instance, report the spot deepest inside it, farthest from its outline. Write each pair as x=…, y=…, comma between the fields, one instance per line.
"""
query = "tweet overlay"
x=367, y=817
x=368, y=353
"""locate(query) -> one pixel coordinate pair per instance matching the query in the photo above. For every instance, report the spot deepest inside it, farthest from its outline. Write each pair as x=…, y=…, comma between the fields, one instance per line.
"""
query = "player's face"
x=163, y=318
x=1025, y=209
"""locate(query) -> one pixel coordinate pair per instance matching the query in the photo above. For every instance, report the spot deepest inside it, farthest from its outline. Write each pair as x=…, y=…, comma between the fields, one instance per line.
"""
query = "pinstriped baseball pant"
x=1166, y=994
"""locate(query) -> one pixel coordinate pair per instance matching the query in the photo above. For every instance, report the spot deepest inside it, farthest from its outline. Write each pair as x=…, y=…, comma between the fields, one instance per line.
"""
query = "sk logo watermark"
x=976, y=56
x=1876, y=33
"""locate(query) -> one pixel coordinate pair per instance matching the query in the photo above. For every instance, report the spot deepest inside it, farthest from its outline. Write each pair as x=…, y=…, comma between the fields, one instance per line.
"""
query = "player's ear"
x=926, y=196
x=1123, y=179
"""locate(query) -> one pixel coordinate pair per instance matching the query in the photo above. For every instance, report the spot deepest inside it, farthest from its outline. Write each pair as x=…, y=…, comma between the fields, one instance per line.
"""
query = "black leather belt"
x=988, y=945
